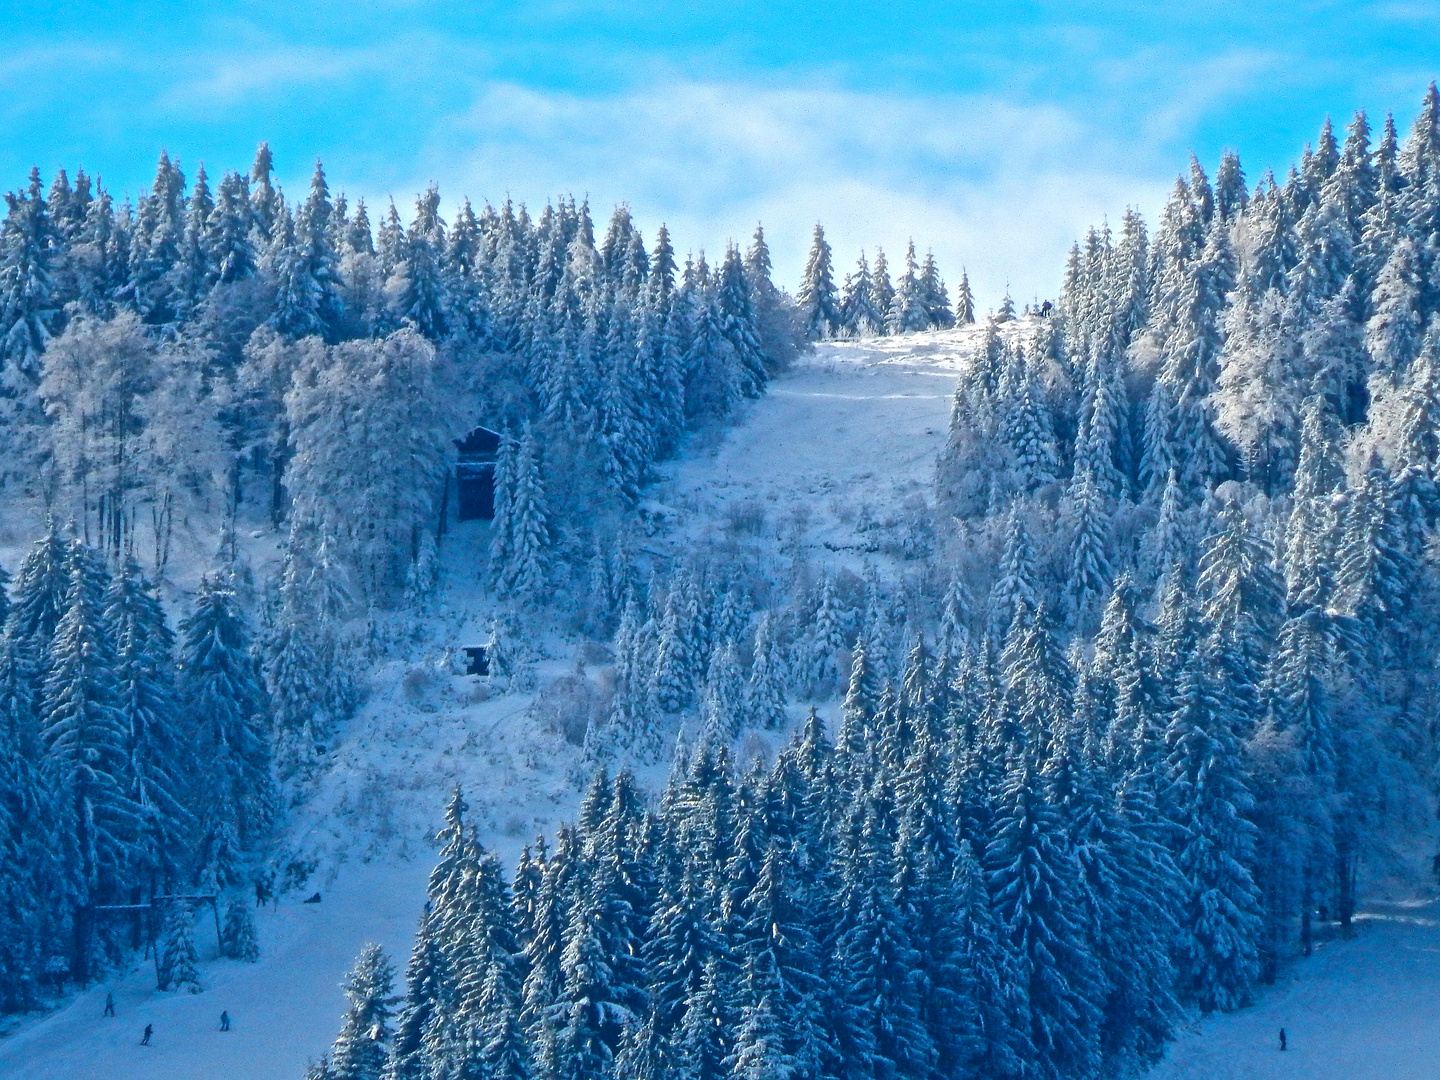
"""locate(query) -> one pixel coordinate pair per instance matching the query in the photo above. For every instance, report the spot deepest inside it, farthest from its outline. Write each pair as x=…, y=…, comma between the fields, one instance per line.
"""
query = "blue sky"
x=993, y=133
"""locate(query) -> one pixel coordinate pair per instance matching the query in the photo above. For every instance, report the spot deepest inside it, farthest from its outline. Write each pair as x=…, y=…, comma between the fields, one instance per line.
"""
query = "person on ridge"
x=109, y=1004
x=224, y=1020
x=145, y=1039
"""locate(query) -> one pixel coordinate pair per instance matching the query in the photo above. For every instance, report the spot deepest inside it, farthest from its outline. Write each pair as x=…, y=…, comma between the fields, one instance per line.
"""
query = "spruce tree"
x=28, y=308
x=159, y=747
x=417, y=285
x=228, y=242
x=964, y=301
x=525, y=528
x=883, y=1027
x=1016, y=583
x=859, y=313
x=1206, y=800
x=238, y=939
x=361, y=1049
x=41, y=588
x=724, y=707
x=225, y=698
x=819, y=308
x=908, y=311
x=85, y=746
x=1036, y=882
x=735, y=306
x=1392, y=335
x=934, y=298
x=884, y=288
x=178, y=957
x=1089, y=577
x=767, y=677
x=703, y=1042
x=427, y=990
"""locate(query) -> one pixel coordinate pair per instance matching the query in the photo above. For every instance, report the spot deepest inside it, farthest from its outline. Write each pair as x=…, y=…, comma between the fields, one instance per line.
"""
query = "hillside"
x=1365, y=1009
x=850, y=429
x=812, y=474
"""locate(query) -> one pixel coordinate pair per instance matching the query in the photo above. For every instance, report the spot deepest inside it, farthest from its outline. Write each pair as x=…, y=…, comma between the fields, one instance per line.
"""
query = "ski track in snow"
x=848, y=433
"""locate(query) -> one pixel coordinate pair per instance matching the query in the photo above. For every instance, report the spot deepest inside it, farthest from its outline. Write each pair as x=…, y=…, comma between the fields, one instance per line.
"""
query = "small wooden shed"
x=475, y=474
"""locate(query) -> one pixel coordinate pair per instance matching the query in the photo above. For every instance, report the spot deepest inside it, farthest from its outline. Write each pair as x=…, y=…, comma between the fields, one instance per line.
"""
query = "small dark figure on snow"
x=145, y=1039
x=262, y=889
x=109, y=1004
x=224, y=1020
x=1282, y=1038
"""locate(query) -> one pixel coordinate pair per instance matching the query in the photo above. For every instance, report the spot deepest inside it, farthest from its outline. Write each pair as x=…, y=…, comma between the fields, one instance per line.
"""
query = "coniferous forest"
x=1117, y=729
x=1120, y=776
x=209, y=354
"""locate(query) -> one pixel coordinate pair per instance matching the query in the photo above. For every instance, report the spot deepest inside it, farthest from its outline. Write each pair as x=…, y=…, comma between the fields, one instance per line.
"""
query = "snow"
x=818, y=468
x=284, y=1010
x=855, y=425
x=850, y=431
x=1358, y=1009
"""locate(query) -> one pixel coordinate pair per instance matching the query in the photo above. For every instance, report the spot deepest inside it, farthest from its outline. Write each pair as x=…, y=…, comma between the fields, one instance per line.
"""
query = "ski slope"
x=854, y=426
x=284, y=1010
x=1364, y=1009
x=838, y=445
x=817, y=467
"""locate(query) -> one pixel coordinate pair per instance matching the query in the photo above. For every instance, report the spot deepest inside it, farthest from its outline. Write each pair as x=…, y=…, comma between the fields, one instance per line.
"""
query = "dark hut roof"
x=481, y=443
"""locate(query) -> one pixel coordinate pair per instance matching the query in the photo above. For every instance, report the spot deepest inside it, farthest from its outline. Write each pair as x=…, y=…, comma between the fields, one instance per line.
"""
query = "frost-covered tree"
x=1207, y=800
x=768, y=678
x=1016, y=584
x=1089, y=577
x=85, y=745
x=1392, y=333
x=28, y=305
x=1036, y=885
x=964, y=301
x=860, y=314
x=223, y=692
x=159, y=746
x=371, y=430
x=238, y=939
x=525, y=526
x=819, y=303
x=178, y=957
x=910, y=308
x=361, y=1048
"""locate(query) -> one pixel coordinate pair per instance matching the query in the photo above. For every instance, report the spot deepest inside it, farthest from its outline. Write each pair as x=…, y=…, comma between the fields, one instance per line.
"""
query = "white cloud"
x=997, y=187
x=993, y=184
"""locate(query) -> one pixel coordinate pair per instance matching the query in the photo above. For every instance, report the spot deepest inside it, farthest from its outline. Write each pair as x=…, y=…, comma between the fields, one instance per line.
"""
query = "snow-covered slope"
x=839, y=443
x=1364, y=1009
x=851, y=430
x=284, y=1009
x=818, y=468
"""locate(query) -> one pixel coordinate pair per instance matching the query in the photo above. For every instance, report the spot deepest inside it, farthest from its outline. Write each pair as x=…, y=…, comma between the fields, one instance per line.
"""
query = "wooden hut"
x=475, y=474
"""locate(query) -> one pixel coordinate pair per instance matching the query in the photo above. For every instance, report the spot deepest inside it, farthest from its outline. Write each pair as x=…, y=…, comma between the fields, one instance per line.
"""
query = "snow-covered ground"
x=284, y=1010
x=820, y=468
x=1363, y=1009
x=849, y=432
x=835, y=449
